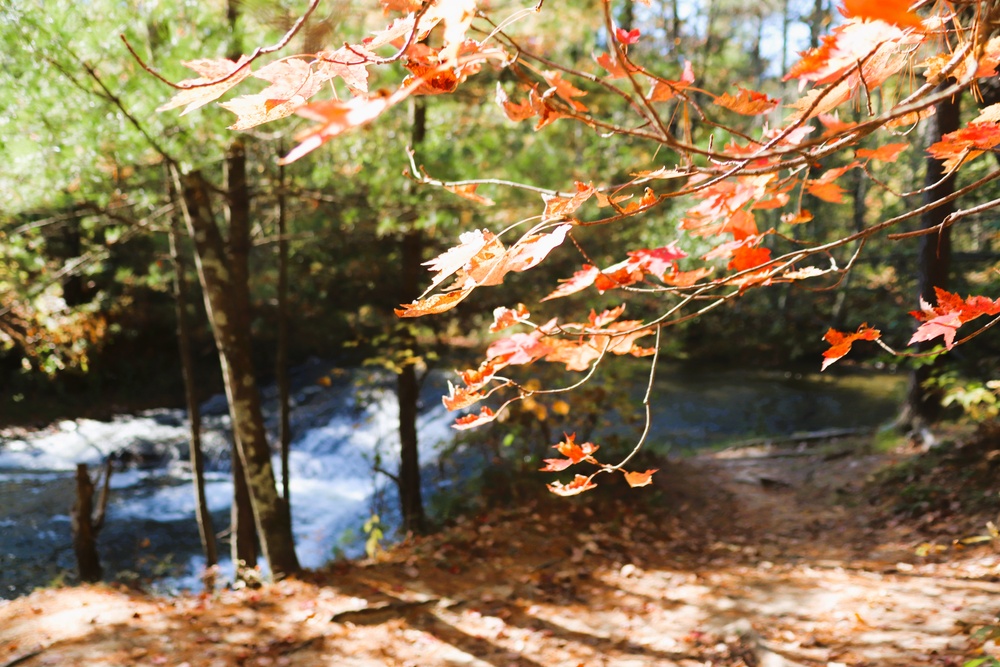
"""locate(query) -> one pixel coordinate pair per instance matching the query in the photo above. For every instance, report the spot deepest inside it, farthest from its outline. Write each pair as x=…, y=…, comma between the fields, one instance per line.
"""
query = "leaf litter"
x=755, y=557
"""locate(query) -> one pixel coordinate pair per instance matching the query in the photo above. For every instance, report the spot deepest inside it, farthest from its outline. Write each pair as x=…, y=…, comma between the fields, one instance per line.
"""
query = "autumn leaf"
x=606, y=317
x=614, y=66
x=471, y=421
x=460, y=397
x=574, y=452
x=798, y=218
x=469, y=192
x=747, y=257
x=555, y=465
x=840, y=343
x=562, y=208
x=686, y=278
x=657, y=261
x=951, y=312
x=514, y=111
x=437, y=303
x=829, y=192
x=579, y=484
x=627, y=37
x=476, y=378
x=336, y=117
x=564, y=89
x=896, y=12
x=210, y=70
x=454, y=259
x=637, y=479
x=886, y=153
x=665, y=89
x=581, y=280
x=965, y=144
x=741, y=225
x=518, y=349
x=507, y=317
x=747, y=102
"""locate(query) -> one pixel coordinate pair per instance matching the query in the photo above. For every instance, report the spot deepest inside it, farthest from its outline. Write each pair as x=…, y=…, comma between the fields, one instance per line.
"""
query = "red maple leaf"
x=627, y=37
x=949, y=314
x=840, y=343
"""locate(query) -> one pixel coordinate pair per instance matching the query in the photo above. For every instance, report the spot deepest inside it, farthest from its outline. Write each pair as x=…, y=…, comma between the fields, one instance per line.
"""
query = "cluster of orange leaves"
x=574, y=454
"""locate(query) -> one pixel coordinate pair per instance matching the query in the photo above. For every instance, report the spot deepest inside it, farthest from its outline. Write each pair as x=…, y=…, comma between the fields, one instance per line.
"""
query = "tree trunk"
x=181, y=299
x=226, y=303
x=408, y=393
x=923, y=405
x=284, y=419
x=86, y=522
x=243, y=532
x=407, y=387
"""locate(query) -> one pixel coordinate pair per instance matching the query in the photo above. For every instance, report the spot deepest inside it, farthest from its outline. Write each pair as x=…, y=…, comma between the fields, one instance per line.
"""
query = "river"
x=340, y=428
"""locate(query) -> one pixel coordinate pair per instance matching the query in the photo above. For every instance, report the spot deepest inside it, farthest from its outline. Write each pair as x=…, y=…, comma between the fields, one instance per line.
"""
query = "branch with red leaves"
x=744, y=200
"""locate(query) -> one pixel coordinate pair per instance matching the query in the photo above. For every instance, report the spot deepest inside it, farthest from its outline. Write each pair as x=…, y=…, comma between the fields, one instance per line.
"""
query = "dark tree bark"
x=243, y=546
x=923, y=405
x=181, y=300
x=407, y=386
x=284, y=417
x=227, y=304
x=86, y=522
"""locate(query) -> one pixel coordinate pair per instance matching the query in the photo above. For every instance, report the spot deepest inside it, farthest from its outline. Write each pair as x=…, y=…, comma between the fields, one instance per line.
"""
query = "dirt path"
x=751, y=557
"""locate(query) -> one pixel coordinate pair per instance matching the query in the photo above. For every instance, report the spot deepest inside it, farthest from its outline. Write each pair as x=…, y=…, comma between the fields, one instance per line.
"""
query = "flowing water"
x=341, y=431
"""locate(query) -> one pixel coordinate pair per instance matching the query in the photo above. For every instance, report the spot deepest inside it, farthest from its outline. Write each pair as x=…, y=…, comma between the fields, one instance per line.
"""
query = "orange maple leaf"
x=896, y=12
x=886, y=153
x=471, y=421
x=830, y=192
x=840, y=343
x=747, y=102
x=747, y=257
x=576, y=453
x=460, y=397
x=579, y=484
x=665, y=89
x=966, y=143
x=637, y=479
x=437, y=303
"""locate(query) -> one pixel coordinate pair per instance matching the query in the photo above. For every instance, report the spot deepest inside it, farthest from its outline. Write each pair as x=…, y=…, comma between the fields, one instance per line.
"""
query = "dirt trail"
x=762, y=558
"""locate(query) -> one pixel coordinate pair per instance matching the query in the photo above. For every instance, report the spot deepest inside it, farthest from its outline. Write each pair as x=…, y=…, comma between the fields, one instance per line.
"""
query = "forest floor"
x=758, y=556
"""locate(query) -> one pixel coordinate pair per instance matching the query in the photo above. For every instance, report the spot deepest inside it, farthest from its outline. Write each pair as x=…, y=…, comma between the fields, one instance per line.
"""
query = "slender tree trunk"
x=181, y=300
x=224, y=301
x=923, y=405
x=244, y=534
x=408, y=389
x=284, y=421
